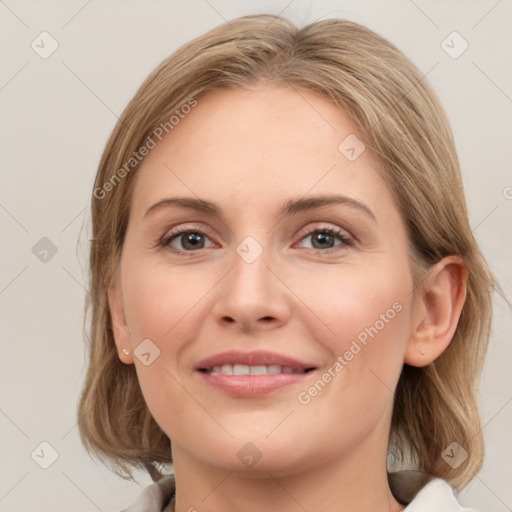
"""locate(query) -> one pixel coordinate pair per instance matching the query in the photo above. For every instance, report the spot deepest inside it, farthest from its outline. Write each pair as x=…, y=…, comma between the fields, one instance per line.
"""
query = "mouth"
x=244, y=369
x=252, y=374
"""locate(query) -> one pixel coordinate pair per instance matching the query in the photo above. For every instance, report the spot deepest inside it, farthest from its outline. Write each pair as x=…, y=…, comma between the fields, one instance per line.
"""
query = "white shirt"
x=419, y=491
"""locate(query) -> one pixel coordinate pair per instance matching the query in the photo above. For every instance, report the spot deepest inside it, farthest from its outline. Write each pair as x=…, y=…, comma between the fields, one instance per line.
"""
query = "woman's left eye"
x=194, y=239
x=324, y=237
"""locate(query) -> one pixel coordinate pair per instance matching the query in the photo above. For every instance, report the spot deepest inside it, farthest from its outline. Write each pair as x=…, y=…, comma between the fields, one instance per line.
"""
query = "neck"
x=351, y=482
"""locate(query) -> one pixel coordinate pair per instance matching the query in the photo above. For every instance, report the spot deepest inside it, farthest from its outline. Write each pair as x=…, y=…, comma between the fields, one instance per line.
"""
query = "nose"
x=252, y=296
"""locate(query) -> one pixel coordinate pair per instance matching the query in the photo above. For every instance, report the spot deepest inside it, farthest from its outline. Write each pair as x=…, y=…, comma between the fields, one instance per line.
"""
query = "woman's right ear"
x=119, y=327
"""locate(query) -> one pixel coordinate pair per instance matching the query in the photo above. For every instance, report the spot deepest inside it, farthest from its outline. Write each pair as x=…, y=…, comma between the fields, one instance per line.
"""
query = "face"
x=306, y=300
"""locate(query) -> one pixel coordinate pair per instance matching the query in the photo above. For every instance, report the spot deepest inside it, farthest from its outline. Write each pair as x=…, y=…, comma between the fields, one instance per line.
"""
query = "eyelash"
x=345, y=239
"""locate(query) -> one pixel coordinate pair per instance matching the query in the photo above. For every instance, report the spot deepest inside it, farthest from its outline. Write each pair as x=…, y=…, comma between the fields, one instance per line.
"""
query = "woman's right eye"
x=190, y=240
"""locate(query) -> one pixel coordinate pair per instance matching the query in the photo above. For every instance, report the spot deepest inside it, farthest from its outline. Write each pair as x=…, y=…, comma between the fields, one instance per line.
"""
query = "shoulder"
x=154, y=497
x=422, y=492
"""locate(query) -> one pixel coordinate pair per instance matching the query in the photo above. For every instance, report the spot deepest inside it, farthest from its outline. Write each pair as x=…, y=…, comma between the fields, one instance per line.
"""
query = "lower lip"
x=249, y=386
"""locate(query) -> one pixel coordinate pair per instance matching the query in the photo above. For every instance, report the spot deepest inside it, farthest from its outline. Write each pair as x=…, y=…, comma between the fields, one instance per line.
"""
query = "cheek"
x=159, y=299
x=367, y=312
x=355, y=392
x=354, y=301
x=162, y=305
x=158, y=304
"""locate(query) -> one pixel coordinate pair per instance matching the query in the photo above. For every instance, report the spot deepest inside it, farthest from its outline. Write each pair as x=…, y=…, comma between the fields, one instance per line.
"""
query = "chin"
x=256, y=457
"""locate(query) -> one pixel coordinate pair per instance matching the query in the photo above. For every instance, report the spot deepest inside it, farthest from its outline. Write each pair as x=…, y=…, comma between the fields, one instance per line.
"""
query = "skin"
x=248, y=151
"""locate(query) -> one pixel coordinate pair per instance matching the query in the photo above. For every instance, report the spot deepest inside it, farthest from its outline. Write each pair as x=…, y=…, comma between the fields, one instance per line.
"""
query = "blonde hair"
x=403, y=122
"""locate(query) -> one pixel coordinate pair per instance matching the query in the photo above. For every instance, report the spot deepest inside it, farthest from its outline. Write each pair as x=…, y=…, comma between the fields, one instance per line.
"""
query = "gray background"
x=57, y=114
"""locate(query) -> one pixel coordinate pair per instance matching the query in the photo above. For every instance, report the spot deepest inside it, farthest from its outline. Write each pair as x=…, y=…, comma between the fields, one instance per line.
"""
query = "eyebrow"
x=290, y=207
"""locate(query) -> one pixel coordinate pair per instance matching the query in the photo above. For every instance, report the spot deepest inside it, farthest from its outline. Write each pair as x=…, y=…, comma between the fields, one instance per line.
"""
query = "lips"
x=252, y=374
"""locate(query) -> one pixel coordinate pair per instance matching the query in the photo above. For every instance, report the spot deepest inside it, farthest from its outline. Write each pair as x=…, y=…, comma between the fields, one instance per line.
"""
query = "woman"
x=274, y=373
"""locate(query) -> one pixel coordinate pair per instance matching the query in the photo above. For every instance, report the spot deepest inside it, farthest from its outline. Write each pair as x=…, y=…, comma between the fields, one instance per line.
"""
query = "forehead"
x=261, y=144
x=248, y=121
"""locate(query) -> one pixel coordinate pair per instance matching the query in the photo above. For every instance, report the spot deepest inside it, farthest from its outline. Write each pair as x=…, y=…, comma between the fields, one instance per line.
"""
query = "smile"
x=252, y=374
x=243, y=369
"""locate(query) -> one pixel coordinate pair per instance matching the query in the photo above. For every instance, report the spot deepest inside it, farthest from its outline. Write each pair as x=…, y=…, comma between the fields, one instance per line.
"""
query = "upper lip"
x=254, y=358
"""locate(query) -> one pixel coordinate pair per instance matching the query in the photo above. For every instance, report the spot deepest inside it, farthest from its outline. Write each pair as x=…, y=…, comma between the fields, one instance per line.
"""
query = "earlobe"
x=118, y=319
x=438, y=308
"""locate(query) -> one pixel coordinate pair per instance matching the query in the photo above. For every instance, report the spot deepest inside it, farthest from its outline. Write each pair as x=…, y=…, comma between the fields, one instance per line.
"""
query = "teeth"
x=243, y=369
x=258, y=370
x=273, y=369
